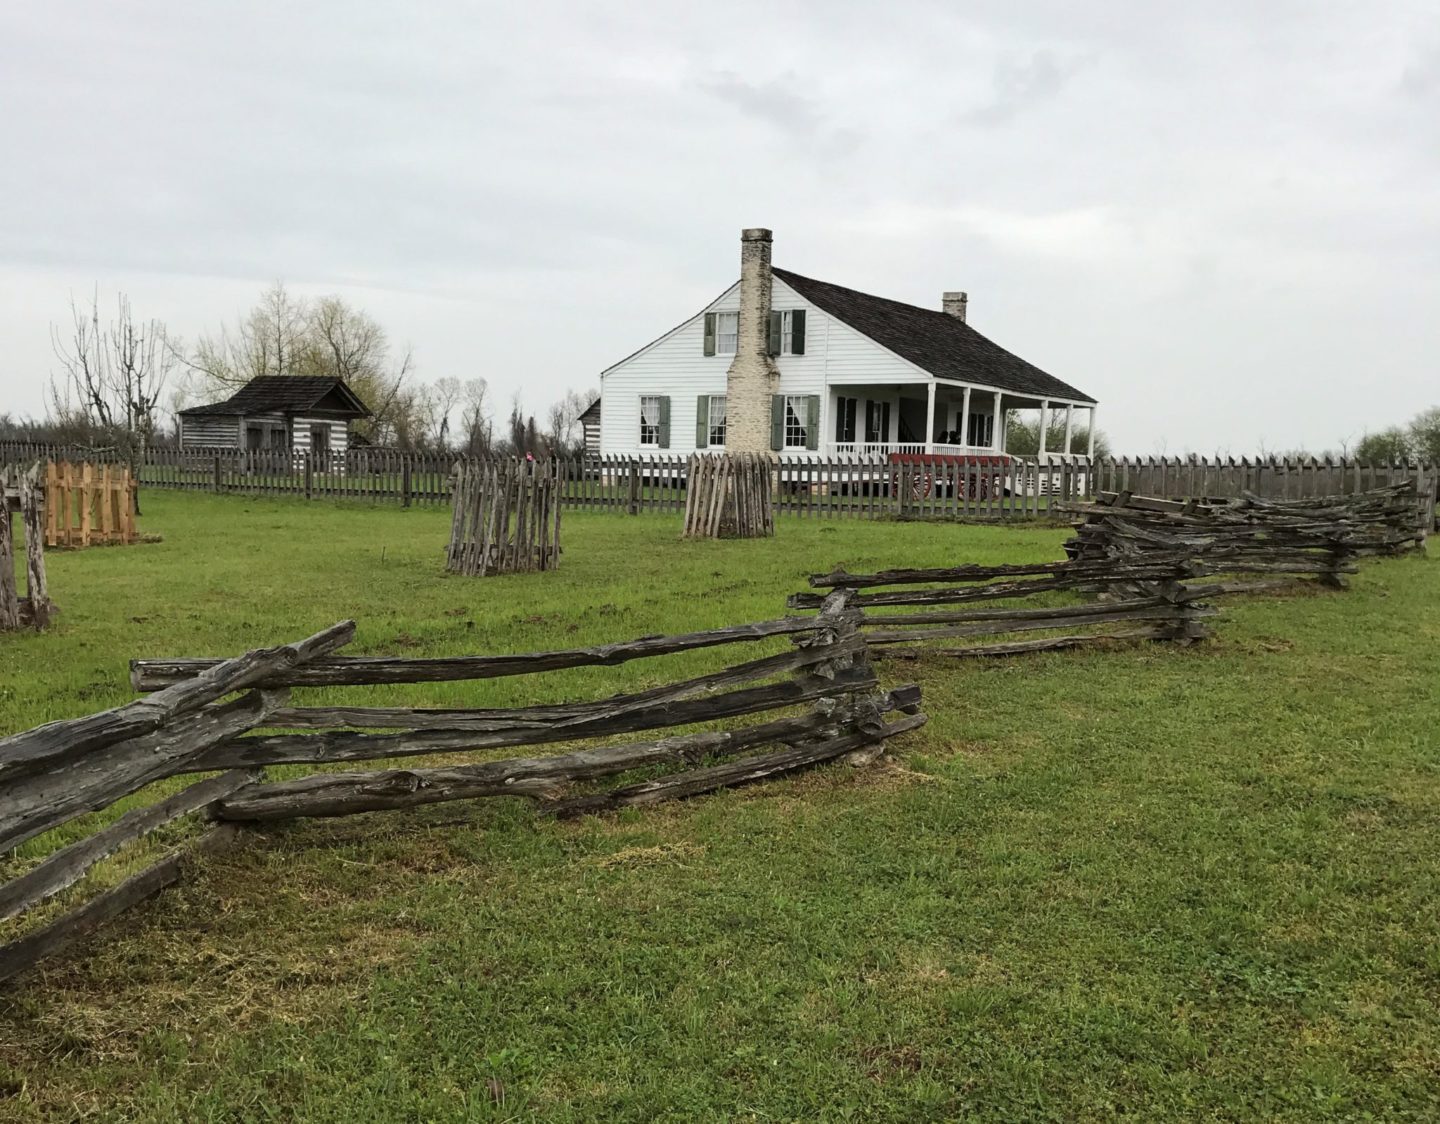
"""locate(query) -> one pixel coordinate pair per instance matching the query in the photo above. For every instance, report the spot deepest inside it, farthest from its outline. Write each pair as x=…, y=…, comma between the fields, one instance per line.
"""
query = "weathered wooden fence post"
x=632, y=503
x=309, y=470
x=405, y=483
x=215, y=474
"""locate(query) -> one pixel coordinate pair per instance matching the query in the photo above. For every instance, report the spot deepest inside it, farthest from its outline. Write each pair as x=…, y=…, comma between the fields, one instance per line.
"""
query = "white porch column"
x=1069, y=426
x=997, y=427
x=1090, y=442
x=1044, y=423
x=930, y=418
x=965, y=417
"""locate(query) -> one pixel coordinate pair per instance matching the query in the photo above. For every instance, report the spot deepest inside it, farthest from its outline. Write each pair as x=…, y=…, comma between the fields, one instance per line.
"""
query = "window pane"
x=786, y=333
x=716, y=420
x=727, y=327
x=795, y=429
x=650, y=419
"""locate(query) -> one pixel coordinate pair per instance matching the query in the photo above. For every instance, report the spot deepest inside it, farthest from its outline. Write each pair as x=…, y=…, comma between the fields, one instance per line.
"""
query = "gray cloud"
x=1022, y=85
x=1204, y=215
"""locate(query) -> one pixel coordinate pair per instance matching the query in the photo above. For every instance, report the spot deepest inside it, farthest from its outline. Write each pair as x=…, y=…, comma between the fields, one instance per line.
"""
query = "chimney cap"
x=955, y=295
x=755, y=234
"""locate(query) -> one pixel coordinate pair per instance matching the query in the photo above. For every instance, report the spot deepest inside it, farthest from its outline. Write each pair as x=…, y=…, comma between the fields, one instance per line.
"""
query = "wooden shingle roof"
x=936, y=342
x=287, y=394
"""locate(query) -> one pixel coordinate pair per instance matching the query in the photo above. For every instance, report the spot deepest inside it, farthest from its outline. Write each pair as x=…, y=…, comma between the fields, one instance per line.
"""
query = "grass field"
x=1148, y=884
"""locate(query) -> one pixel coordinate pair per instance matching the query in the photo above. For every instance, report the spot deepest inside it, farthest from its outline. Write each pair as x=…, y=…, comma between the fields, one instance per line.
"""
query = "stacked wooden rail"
x=814, y=701
x=1280, y=540
x=88, y=504
x=1147, y=599
x=20, y=490
x=506, y=517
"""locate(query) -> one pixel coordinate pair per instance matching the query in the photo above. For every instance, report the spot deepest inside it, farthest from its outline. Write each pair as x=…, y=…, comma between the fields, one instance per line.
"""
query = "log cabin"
x=277, y=413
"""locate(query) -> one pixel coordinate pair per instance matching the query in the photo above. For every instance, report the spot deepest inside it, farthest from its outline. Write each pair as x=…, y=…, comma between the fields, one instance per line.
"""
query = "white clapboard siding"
x=676, y=365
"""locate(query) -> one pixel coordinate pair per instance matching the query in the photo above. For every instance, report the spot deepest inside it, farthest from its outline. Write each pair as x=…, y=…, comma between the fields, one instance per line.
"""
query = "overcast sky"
x=1220, y=219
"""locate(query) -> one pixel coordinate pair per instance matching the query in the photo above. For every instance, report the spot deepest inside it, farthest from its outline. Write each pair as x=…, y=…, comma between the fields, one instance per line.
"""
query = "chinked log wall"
x=54, y=773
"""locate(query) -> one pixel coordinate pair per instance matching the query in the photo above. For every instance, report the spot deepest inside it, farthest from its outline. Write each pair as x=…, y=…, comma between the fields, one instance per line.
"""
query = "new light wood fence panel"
x=88, y=504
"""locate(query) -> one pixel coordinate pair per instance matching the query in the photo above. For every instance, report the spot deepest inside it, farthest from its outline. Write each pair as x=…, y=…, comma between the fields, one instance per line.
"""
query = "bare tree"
x=445, y=394
x=563, y=431
x=475, y=417
x=268, y=340
x=287, y=335
x=114, y=375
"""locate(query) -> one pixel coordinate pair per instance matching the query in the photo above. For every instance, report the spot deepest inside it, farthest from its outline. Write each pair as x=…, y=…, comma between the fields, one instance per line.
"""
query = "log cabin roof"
x=287, y=394
x=936, y=342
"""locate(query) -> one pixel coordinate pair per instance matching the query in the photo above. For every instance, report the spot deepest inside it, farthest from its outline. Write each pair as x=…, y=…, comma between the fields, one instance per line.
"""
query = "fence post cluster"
x=506, y=518
x=729, y=497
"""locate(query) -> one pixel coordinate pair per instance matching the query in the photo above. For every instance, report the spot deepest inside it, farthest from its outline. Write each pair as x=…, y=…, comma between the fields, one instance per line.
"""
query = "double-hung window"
x=715, y=423
x=797, y=417
x=650, y=419
x=727, y=332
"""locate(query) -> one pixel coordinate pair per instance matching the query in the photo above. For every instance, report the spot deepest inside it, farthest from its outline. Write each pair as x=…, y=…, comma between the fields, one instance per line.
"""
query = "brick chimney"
x=753, y=376
x=954, y=303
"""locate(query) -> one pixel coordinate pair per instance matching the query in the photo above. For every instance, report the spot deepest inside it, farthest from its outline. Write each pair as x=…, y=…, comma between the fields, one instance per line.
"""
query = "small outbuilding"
x=277, y=413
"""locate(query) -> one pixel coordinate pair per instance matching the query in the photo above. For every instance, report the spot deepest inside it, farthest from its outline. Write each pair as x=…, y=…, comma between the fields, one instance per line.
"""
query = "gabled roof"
x=287, y=394
x=938, y=343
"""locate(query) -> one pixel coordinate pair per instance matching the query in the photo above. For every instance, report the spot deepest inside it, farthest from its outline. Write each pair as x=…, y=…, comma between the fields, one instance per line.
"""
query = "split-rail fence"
x=814, y=701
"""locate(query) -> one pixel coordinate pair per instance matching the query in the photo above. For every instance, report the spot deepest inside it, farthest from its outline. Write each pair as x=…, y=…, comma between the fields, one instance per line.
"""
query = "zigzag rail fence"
x=814, y=702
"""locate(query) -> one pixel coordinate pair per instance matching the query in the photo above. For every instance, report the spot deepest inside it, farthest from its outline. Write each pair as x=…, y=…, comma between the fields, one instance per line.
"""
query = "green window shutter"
x=665, y=422
x=777, y=422
x=812, y=426
x=702, y=421
x=709, y=333
x=773, y=342
x=797, y=332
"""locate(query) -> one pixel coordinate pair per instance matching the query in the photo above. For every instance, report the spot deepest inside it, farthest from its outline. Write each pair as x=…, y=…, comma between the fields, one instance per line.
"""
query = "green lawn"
x=1150, y=883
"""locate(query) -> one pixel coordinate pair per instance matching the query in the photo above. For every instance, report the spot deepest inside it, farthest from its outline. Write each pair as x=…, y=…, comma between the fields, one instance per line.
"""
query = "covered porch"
x=946, y=418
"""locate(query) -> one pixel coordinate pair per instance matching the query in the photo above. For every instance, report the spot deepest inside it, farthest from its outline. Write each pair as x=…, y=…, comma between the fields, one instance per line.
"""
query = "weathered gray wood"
x=68, y=865
x=959, y=616
x=1058, y=568
x=151, y=674
x=9, y=594
x=24, y=953
x=1020, y=647
x=32, y=502
x=1167, y=612
x=545, y=716
x=72, y=737
x=69, y=787
x=732, y=774
x=341, y=794
x=997, y=590
x=321, y=748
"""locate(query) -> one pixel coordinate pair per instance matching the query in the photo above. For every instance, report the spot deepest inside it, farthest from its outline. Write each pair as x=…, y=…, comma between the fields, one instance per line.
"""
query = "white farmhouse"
x=787, y=364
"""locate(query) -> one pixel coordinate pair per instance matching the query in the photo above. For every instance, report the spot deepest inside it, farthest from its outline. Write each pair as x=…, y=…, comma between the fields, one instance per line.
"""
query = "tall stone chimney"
x=753, y=376
x=954, y=303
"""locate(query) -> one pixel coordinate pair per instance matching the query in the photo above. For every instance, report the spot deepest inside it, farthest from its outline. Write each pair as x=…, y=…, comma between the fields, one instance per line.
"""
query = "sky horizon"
x=1223, y=223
